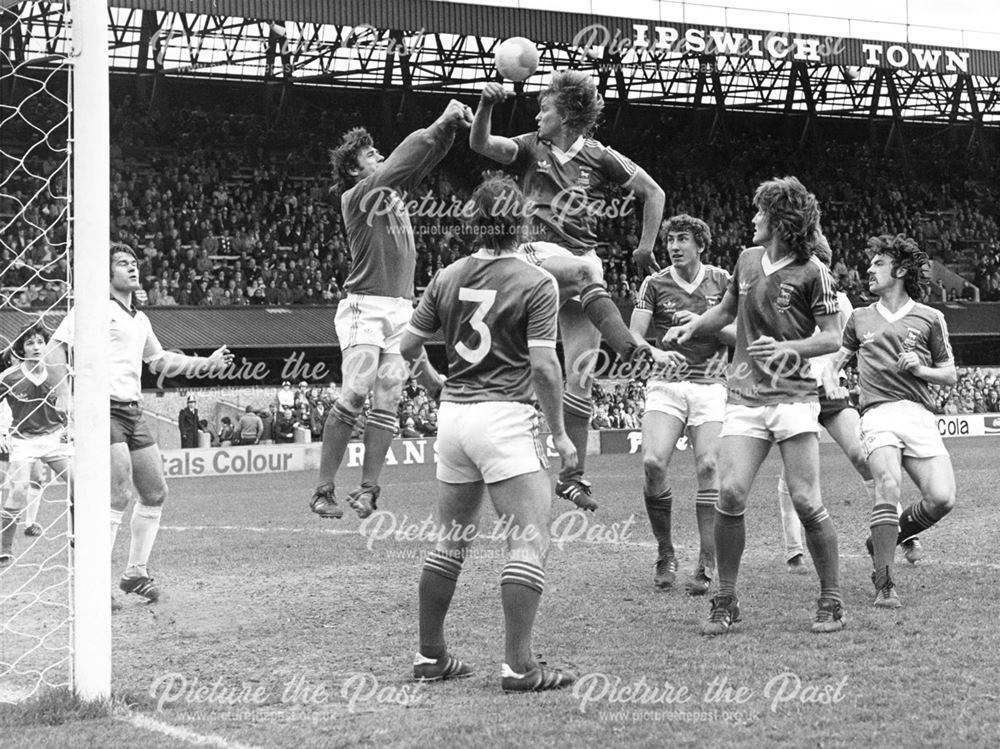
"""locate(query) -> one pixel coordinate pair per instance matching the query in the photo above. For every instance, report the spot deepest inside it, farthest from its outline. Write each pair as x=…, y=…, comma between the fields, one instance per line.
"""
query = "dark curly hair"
x=697, y=228
x=905, y=254
x=792, y=212
x=344, y=158
x=575, y=97
x=496, y=212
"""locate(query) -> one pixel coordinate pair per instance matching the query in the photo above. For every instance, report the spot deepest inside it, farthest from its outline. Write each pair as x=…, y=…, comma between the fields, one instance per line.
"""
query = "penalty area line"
x=147, y=723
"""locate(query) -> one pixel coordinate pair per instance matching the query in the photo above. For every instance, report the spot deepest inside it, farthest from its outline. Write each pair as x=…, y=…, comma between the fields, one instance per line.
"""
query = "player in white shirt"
x=136, y=465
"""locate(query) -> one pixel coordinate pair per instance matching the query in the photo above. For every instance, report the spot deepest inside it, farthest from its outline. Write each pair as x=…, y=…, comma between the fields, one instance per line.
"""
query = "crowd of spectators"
x=305, y=407
x=976, y=392
x=227, y=207
x=227, y=211
x=619, y=405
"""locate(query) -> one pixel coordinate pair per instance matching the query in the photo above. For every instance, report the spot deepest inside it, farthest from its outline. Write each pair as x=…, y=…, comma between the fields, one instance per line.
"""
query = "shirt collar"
x=131, y=311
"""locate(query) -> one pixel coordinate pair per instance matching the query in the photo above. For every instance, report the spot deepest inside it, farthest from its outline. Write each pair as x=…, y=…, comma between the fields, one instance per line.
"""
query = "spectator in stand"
x=187, y=421
x=251, y=428
x=227, y=432
x=317, y=418
x=204, y=428
x=284, y=427
x=409, y=428
x=993, y=292
x=426, y=419
x=267, y=419
x=286, y=396
x=302, y=395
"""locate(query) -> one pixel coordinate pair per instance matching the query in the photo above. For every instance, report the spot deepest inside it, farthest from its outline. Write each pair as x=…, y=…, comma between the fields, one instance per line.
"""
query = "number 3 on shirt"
x=484, y=298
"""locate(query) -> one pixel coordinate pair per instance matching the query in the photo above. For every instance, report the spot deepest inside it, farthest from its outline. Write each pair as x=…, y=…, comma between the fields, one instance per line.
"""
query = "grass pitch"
x=280, y=629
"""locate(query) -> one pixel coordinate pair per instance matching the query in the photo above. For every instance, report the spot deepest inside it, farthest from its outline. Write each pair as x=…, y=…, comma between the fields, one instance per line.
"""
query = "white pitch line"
x=595, y=542
x=247, y=529
x=183, y=734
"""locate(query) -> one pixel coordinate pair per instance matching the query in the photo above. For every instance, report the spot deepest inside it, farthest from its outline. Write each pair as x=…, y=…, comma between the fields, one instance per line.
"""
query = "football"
x=516, y=58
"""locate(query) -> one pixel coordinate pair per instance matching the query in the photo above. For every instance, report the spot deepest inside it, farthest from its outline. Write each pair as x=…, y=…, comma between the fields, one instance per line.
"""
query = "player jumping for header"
x=379, y=299
x=567, y=176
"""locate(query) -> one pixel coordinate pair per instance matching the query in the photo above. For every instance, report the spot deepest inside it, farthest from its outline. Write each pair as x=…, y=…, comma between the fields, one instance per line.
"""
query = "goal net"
x=41, y=577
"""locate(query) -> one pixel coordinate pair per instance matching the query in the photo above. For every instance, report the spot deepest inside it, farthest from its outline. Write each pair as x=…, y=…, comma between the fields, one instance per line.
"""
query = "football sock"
x=116, y=521
x=918, y=517
x=605, y=316
x=576, y=419
x=379, y=431
x=8, y=526
x=521, y=586
x=34, y=500
x=437, y=586
x=336, y=434
x=145, y=525
x=704, y=509
x=791, y=526
x=884, y=529
x=821, y=538
x=730, y=539
x=659, y=509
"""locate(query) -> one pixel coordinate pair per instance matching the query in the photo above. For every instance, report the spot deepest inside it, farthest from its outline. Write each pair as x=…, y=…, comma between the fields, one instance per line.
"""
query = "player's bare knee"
x=941, y=497
x=353, y=400
x=887, y=488
x=706, y=468
x=388, y=394
x=654, y=467
x=732, y=499
x=806, y=506
x=154, y=498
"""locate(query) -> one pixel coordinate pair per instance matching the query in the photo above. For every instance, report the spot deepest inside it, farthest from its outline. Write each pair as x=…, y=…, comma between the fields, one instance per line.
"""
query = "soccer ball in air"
x=516, y=58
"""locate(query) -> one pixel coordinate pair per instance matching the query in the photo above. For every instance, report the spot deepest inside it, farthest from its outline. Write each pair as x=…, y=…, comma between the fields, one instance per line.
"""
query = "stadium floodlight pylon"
x=55, y=618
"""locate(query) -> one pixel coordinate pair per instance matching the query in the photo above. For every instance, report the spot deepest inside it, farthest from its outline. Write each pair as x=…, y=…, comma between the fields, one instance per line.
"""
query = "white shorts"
x=43, y=447
x=367, y=320
x=903, y=424
x=488, y=441
x=775, y=423
x=537, y=252
x=694, y=403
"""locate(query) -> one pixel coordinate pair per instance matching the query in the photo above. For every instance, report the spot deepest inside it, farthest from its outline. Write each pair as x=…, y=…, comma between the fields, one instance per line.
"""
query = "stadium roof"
x=641, y=51
x=189, y=328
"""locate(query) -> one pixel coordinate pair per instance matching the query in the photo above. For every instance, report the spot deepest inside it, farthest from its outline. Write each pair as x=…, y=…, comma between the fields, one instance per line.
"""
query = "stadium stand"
x=228, y=211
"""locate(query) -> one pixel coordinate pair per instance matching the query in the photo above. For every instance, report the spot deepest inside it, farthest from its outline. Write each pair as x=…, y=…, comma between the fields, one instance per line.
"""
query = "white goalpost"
x=91, y=415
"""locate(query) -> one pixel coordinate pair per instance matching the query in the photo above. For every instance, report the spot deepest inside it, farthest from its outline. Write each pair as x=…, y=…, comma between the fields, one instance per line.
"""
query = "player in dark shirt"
x=902, y=348
x=498, y=314
x=38, y=425
x=567, y=177
x=779, y=294
x=379, y=299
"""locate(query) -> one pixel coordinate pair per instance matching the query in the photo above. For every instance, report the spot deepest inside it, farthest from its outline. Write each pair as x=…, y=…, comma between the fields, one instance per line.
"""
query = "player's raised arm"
x=653, y=199
x=423, y=149
x=481, y=140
